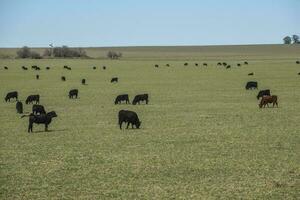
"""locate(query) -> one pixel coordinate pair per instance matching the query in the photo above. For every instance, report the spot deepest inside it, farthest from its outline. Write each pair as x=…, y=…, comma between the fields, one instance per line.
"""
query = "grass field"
x=202, y=134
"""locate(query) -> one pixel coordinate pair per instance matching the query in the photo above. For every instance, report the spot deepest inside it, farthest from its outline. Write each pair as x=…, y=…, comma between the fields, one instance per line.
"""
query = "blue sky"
x=37, y=23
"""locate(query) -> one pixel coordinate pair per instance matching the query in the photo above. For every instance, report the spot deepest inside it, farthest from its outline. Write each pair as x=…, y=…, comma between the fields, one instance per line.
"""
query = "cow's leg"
x=147, y=101
x=46, y=127
x=132, y=125
x=120, y=123
x=30, y=127
x=127, y=125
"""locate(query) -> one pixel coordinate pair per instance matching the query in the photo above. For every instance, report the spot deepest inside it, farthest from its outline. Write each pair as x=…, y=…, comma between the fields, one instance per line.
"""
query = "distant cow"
x=238, y=64
x=265, y=100
x=32, y=98
x=129, y=117
x=33, y=67
x=63, y=78
x=38, y=109
x=24, y=68
x=196, y=64
x=73, y=93
x=219, y=64
x=205, y=64
x=251, y=74
x=83, y=81
x=37, y=77
x=94, y=68
x=228, y=67
x=38, y=68
x=186, y=64
x=40, y=119
x=262, y=93
x=167, y=65
x=122, y=97
x=299, y=73
x=251, y=85
x=6, y=68
x=19, y=107
x=11, y=95
x=246, y=63
x=156, y=65
x=69, y=68
x=297, y=62
x=140, y=97
x=224, y=64
x=104, y=67
x=65, y=67
x=115, y=79
x=47, y=68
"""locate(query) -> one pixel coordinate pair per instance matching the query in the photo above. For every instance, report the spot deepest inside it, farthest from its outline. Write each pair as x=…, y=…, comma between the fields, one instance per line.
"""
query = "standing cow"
x=19, y=107
x=265, y=100
x=129, y=117
x=40, y=119
x=251, y=85
x=73, y=93
x=263, y=93
x=11, y=95
x=122, y=97
x=114, y=80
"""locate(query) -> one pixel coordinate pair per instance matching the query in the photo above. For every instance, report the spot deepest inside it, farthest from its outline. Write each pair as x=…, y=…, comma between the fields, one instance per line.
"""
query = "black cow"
x=129, y=117
x=186, y=64
x=38, y=109
x=167, y=65
x=251, y=85
x=34, y=67
x=38, y=68
x=47, y=68
x=104, y=67
x=37, y=77
x=140, y=97
x=238, y=64
x=122, y=97
x=219, y=64
x=19, y=107
x=24, y=68
x=297, y=62
x=94, y=68
x=228, y=66
x=115, y=79
x=251, y=74
x=224, y=64
x=83, y=81
x=156, y=65
x=66, y=67
x=246, y=63
x=69, y=68
x=73, y=93
x=11, y=95
x=40, y=119
x=6, y=68
x=205, y=64
x=299, y=73
x=32, y=98
x=196, y=64
x=63, y=78
x=262, y=93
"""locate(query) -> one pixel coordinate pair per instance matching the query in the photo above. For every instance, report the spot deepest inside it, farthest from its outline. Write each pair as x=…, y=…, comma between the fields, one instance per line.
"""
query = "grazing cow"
x=224, y=64
x=34, y=67
x=299, y=73
x=38, y=109
x=219, y=64
x=265, y=100
x=186, y=64
x=140, y=97
x=65, y=67
x=167, y=65
x=47, y=68
x=196, y=64
x=251, y=85
x=19, y=107
x=63, y=78
x=228, y=67
x=238, y=64
x=122, y=97
x=83, y=81
x=246, y=63
x=104, y=67
x=129, y=117
x=37, y=77
x=73, y=93
x=114, y=79
x=40, y=119
x=69, y=68
x=11, y=95
x=32, y=98
x=297, y=62
x=94, y=68
x=37, y=68
x=205, y=64
x=24, y=68
x=251, y=74
x=156, y=65
x=6, y=68
x=262, y=93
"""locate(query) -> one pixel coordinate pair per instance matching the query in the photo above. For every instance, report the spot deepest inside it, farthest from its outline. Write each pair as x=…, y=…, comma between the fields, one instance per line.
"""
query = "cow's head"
x=52, y=114
x=138, y=124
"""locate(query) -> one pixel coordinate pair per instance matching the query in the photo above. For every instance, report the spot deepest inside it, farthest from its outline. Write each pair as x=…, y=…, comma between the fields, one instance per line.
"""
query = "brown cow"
x=268, y=99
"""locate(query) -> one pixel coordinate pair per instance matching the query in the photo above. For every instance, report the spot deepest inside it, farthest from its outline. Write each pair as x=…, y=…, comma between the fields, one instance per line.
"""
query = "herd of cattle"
x=40, y=116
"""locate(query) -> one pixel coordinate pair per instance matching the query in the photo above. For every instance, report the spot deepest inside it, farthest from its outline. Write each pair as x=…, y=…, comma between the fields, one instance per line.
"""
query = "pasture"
x=202, y=135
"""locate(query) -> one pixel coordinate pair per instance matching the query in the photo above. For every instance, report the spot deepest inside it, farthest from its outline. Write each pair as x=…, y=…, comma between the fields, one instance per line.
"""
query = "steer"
x=11, y=95
x=129, y=117
x=251, y=85
x=122, y=97
x=40, y=119
x=19, y=107
x=32, y=98
x=265, y=100
x=114, y=79
x=73, y=93
x=140, y=97
x=38, y=109
x=263, y=93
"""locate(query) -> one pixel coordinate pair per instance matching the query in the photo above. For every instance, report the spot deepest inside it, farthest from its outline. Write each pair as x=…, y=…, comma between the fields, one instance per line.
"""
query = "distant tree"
x=287, y=40
x=67, y=52
x=47, y=53
x=24, y=52
x=296, y=39
x=114, y=55
x=35, y=55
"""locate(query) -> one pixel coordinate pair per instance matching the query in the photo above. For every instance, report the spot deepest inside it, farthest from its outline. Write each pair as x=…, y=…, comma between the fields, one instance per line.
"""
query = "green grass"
x=202, y=134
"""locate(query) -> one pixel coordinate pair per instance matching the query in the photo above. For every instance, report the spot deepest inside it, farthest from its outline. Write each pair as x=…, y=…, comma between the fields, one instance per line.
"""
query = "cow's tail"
x=25, y=116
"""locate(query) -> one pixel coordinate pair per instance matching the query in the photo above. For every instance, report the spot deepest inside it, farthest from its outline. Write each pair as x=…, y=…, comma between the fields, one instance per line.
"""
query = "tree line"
x=294, y=39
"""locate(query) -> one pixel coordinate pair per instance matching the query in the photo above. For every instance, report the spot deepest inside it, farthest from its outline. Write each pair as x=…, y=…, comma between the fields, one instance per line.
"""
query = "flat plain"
x=202, y=135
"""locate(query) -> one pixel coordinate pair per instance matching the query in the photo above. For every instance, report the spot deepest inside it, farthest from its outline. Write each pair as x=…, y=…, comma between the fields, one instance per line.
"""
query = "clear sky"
x=37, y=23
